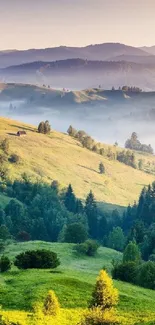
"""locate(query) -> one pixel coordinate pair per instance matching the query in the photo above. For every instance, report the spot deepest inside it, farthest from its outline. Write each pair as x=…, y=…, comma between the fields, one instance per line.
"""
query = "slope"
x=73, y=283
x=60, y=157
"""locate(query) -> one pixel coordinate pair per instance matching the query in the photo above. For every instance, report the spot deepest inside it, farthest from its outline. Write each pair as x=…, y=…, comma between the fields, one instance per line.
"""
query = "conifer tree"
x=105, y=296
x=51, y=304
x=70, y=199
x=92, y=214
x=101, y=168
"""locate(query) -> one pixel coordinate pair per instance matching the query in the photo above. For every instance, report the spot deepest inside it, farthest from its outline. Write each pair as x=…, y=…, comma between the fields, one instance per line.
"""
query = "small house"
x=21, y=133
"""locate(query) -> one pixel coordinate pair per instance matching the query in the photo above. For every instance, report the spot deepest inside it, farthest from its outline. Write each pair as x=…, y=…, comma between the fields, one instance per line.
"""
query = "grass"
x=60, y=157
x=73, y=282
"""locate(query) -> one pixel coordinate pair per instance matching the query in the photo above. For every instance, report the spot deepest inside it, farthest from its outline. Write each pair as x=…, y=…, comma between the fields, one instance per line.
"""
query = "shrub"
x=89, y=247
x=14, y=158
x=146, y=275
x=41, y=259
x=105, y=295
x=5, y=146
x=2, y=246
x=5, y=264
x=96, y=316
x=51, y=304
x=125, y=272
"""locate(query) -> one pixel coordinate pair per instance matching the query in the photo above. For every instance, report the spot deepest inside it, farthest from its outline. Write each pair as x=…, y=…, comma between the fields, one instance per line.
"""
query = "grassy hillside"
x=73, y=283
x=60, y=157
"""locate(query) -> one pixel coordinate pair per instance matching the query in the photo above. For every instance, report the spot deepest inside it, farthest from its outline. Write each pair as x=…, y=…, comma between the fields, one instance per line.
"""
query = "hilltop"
x=60, y=157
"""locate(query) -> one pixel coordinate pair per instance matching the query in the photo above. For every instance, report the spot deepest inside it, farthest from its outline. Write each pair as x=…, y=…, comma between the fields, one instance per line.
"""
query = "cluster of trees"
x=44, y=127
x=132, y=89
x=126, y=157
x=133, y=270
x=134, y=144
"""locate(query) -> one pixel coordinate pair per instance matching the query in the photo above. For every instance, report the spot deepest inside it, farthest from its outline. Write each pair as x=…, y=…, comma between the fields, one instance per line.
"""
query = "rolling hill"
x=60, y=157
x=73, y=283
x=77, y=73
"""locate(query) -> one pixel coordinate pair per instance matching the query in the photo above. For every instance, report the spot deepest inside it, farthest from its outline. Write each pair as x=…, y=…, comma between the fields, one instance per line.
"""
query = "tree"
x=47, y=127
x=75, y=233
x=37, y=259
x=92, y=214
x=132, y=253
x=89, y=247
x=140, y=164
x=116, y=239
x=41, y=127
x=104, y=295
x=5, y=146
x=51, y=304
x=5, y=264
x=4, y=232
x=146, y=275
x=125, y=272
x=70, y=199
x=101, y=168
x=71, y=131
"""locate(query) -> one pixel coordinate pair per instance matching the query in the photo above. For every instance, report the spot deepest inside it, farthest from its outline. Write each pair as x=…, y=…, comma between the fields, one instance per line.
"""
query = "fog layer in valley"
x=103, y=123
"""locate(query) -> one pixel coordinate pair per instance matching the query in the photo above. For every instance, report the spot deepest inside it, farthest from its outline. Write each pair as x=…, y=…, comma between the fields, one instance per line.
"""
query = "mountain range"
x=109, y=64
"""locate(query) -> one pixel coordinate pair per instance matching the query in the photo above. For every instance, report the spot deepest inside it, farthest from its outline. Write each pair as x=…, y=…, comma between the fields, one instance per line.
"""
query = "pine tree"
x=51, y=304
x=105, y=295
x=101, y=168
x=92, y=214
x=70, y=199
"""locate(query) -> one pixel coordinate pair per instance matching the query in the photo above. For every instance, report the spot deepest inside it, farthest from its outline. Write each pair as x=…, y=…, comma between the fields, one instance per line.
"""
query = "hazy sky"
x=48, y=23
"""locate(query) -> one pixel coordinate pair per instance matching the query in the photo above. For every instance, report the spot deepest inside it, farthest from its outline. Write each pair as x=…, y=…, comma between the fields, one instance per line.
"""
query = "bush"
x=37, y=259
x=14, y=158
x=96, y=316
x=125, y=272
x=89, y=247
x=51, y=304
x=2, y=246
x=23, y=236
x=146, y=275
x=5, y=264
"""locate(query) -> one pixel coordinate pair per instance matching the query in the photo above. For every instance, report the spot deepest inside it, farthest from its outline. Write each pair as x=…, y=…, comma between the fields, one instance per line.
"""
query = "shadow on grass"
x=23, y=128
x=93, y=170
x=56, y=272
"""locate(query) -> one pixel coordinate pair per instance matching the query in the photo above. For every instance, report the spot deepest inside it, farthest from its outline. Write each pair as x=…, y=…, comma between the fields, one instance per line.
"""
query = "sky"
x=48, y=23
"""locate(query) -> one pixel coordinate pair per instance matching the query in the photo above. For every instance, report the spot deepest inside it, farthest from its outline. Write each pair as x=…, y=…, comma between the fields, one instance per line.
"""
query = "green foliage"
x=75, y=233
x=92, y=214
x=126, y=271
x=51, y=304
x=5, y=264
x=146, y=275
x=116, y=239
x=41, y=259
x=89, y=247
x=132, y=253
x=4, y=233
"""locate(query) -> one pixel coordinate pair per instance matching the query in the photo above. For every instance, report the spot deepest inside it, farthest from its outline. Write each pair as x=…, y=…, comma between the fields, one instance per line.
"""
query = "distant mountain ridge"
x=80, y=74
x=97, y=52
